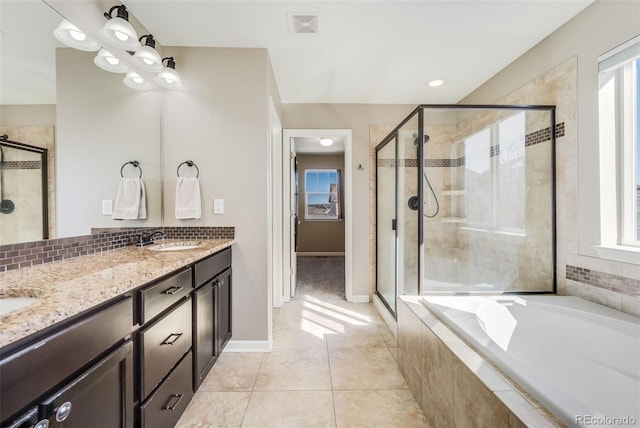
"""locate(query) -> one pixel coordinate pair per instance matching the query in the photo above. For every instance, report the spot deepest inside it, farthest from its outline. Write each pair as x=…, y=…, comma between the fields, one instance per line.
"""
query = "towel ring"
x=189, y=164
x=135, y=164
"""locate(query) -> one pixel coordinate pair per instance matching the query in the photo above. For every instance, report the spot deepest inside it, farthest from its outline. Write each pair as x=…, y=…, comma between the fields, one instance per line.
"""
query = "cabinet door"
x=101, y=397
x=223, y=310
x=203, y=332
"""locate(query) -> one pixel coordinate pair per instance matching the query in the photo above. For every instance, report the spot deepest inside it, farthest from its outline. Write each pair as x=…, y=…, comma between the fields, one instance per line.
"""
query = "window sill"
x=619, y=253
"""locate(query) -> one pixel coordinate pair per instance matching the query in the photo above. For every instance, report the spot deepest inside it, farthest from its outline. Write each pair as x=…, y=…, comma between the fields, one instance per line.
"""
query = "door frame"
x=346, y=134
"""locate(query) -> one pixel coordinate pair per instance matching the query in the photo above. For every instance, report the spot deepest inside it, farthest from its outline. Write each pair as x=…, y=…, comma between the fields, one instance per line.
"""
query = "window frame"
x=621, y=66
x=336, y=194
x=496, y=225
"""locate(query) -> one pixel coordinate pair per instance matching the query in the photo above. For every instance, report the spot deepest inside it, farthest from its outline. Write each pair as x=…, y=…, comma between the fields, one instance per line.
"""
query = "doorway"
x=322, y=207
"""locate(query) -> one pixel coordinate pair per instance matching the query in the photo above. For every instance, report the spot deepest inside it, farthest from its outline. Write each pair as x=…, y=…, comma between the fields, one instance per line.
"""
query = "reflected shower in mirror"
x=55, y=98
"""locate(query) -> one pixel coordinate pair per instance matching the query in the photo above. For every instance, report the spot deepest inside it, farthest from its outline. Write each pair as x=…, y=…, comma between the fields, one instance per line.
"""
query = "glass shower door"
x=386, y=251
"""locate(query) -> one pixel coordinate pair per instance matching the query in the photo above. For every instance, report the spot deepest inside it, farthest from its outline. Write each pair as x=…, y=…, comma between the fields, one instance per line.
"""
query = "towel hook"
x=135, y=164
x=190, y=164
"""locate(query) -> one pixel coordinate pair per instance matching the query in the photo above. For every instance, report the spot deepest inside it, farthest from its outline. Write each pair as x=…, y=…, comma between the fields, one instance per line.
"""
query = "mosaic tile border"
x=606, y=281
x=531, y=139
x=28, y=254
x=21, y=164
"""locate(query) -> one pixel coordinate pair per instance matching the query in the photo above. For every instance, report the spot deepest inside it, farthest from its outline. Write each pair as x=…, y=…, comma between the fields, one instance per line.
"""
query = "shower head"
x=415, y=140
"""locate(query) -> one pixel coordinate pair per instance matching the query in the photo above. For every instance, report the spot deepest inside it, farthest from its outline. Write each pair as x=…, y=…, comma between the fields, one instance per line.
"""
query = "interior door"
x=294, y=216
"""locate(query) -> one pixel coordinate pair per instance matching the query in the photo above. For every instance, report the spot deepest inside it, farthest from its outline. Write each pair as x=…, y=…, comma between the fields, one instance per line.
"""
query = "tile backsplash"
x=27, y=254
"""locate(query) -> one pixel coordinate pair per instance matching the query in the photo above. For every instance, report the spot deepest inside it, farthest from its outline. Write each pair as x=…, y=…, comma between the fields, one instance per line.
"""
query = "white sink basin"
x=175, y=246
x=10, y=304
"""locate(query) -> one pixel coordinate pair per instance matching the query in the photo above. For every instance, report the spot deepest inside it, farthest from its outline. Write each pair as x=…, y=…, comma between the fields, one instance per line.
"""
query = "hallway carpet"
x=321, y=277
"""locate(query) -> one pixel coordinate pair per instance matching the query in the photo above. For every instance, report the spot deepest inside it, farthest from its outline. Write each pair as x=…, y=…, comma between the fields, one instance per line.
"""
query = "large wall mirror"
x=56, y=98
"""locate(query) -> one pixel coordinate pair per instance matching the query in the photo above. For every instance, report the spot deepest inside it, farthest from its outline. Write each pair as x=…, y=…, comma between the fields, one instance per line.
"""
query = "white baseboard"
x=321, y=253
x=386, y=315
x=360, y=298
x=248, y=346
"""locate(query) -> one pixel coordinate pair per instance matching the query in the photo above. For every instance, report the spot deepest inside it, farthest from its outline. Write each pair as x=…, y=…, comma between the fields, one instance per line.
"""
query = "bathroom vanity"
x=118, y=339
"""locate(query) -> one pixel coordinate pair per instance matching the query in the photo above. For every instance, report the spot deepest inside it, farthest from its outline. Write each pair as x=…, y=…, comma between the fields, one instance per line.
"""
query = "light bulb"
x=112, y=60
x=121, y=36
x=77, y=35
x=138, y=80
x=148, y=61
x=169, y=80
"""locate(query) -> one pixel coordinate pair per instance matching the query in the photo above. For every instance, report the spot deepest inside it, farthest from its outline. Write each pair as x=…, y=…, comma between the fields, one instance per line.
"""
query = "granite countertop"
x=71, y=286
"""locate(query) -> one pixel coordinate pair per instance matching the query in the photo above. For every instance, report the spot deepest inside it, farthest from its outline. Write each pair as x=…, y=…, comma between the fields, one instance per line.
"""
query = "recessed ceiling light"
x=435, y=83
x=325, y=141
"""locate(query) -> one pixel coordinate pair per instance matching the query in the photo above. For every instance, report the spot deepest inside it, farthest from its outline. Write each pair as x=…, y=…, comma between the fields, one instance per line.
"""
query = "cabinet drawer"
x=166, y=405
x=159, y=296
x=37, y=368
x=211, y=266
x=163, y=343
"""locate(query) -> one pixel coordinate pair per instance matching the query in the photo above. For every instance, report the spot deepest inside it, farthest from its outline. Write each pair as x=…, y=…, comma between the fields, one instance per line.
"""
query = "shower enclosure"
x=23, y=192
x=466, y=202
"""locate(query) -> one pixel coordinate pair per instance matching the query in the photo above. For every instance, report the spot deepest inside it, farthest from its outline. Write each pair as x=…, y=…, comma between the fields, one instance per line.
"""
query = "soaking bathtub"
x=579, y=359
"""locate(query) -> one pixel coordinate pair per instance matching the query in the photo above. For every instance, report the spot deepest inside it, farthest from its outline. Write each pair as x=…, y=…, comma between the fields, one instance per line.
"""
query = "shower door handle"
x=393, y=224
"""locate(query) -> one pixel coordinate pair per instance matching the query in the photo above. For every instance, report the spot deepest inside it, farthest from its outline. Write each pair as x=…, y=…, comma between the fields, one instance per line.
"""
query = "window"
x=322, y=195
x=494, y=176
x=619, y=92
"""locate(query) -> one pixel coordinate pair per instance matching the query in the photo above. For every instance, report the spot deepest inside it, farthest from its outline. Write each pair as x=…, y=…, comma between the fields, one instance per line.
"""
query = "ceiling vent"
x=303, y=23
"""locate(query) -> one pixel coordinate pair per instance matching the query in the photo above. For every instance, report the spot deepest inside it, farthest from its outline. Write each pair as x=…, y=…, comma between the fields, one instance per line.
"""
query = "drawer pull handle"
x=171, y=339
x=172, y=290
x=178, y=397
x=218, y=282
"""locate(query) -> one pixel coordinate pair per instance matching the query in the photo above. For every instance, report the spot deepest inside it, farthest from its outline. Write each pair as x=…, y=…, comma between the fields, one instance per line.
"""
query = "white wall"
x=220, y=121
x=101, y=124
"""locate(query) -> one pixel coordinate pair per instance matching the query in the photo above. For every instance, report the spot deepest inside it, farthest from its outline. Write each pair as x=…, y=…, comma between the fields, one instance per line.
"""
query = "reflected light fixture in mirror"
x=118, y=31
x=135, y=81
x=147, y=57
x=169, y=78
x=71, y=36
x=106, y=61
x=326, y=142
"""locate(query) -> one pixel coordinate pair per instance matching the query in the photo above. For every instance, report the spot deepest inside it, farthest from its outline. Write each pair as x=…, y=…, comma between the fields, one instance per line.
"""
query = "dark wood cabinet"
x=212, y=312
x=162, y=345
x=86, y=361
x=134, y=361
x=222, y=287
x=167, y=403
x=101, y=397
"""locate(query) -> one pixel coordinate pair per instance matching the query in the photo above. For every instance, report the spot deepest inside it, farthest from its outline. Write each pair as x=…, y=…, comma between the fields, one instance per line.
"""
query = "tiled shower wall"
x=607, y=282
x=22, y=167
x=27, y=254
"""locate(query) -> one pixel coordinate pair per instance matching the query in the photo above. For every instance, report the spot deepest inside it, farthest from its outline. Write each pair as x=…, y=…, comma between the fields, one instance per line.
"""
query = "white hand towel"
x=188, y=204
x=142, y=209
x=128, y=200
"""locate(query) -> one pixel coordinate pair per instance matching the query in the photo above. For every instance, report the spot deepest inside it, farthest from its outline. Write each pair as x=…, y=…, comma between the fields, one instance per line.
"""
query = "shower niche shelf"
x=454, y=220
x=458, y=192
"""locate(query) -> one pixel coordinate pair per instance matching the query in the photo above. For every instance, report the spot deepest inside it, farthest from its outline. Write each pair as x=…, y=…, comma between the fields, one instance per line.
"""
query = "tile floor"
x=332, y=364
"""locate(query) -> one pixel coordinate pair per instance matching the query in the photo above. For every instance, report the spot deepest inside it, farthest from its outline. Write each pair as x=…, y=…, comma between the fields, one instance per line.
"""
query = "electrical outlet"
x=218, y=206
x=107, y=207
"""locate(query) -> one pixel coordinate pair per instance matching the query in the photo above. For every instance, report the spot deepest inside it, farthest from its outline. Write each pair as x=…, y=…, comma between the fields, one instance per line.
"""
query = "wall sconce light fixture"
x=147, y=57
x=135, y=81
x=169, y=77
x=118, y=31
x=142, y=63
x=107, y=61
x=71, y=36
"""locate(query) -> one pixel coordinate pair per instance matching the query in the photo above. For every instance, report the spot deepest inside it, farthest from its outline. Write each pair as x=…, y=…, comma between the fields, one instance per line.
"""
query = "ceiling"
x=378, y=52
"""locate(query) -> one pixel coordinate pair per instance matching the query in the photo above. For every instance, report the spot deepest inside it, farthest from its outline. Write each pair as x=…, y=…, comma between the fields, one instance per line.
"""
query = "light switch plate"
x=218, y=206
x=107, y=207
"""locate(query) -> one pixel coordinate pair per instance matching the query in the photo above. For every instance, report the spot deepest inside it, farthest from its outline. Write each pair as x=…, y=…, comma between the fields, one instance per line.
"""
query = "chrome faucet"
x=147, y=239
